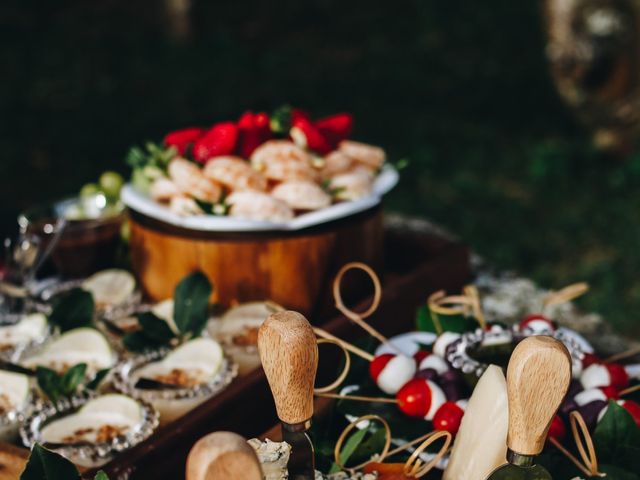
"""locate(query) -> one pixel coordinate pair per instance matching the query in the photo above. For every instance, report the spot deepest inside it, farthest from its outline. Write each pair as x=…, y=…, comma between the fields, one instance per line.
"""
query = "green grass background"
x=460, y=88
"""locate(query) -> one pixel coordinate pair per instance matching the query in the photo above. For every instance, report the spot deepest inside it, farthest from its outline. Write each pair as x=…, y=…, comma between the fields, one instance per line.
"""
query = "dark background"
x=460, y=88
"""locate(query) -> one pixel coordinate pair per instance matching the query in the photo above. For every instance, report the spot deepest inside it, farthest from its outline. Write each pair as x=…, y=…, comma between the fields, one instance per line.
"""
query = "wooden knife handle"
x=538, y=378
x=222, y=456
x=289, y=356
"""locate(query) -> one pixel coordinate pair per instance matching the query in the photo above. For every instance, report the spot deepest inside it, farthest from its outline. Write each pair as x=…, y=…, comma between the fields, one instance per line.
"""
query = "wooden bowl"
x=294, y=269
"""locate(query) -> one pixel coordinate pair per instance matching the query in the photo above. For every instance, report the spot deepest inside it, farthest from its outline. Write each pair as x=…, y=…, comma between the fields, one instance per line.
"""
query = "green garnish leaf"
x=101, y=476
x=44, y=464
x=74, y=309
x=280, y=120
x=97, y=379
x=72, y=378
x=49, y=382
x=349, y=447
x=191, y=310
x=139, y=342
x=56, y=386
x=617, y=439
x=155, y=328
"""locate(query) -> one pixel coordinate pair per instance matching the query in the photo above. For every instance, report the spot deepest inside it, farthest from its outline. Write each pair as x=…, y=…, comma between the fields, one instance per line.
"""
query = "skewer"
x=348, y=346
x=471, y=291
x=627, y=391
x=358, y=318
x=441, y=304
x=413, y=467
x=589, y=464
x=631, y=352
x=357, y=398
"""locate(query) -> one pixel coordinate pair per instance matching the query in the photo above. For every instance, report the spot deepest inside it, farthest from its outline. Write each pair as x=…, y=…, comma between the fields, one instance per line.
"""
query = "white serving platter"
x=139, y=202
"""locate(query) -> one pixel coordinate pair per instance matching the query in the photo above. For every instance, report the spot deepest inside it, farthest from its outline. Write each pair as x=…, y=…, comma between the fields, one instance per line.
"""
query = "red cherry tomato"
x=378, y=363
x=421, y=355
x=633, y=408
x=448, y=418
x=414, y=398
x=619, y=377
x=610, y=391
x=557, y=429
x=535, y=318
x=589, y=359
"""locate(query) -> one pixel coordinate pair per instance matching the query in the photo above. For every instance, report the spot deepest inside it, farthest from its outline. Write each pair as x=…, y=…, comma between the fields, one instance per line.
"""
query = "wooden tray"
x=417, y=264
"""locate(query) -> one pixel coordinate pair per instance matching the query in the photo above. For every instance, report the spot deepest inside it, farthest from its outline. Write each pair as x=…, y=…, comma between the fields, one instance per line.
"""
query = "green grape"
x=89, y=190
x=111, y=183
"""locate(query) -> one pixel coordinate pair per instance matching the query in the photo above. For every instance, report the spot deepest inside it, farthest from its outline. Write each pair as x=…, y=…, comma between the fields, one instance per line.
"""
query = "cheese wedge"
x=481, y=443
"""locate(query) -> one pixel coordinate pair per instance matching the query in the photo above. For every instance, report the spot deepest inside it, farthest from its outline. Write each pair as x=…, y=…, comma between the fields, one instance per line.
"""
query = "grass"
x=459, y=88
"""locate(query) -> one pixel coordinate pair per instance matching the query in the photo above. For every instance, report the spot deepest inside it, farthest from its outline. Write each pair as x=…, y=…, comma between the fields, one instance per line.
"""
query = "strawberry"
x=336, y=127
x=253, y=130
x=306, y=135
x=219, y=140
x=181, y=139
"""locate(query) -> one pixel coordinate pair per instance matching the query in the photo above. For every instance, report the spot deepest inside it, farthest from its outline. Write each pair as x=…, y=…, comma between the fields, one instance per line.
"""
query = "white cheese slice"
x=481, y=443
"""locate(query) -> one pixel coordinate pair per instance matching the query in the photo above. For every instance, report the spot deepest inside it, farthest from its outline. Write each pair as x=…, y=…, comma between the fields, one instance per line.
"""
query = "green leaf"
x=139, y=342
x=280, y=120
x=617, y=439
x=191, y=298
x=49, y=383
x=72, y=378
x=155, y=328
x=207, y=207
x=349, y=447
x=73, y=309
x=97, y=380
x=101, y=476
x=372, y=445
x=44, y=464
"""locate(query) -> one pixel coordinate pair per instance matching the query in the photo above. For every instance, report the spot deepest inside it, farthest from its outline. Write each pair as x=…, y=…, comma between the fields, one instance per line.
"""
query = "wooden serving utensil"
x=223, y=456
x=289, y=356
x=538, y=377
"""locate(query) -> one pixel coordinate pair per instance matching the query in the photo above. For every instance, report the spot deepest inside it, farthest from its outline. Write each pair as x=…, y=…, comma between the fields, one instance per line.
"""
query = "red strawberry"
x=253, y=130
x=306, y=135
x=336, y=127
x=297, y=114
x=181, y=139
x=219, y=140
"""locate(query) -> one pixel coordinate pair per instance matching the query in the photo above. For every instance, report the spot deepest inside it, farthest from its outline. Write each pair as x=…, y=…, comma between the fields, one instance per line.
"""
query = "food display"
x=97, y=373
x=261, y=168
x=179, y=380
x=90, y=431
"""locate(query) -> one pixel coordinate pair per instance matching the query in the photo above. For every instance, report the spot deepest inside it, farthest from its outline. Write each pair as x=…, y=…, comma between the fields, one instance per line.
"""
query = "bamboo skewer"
x=589, y=463
x=358, y=318
x=623, y=355
x=348, y=346
x=357, y=398
x=627, y=391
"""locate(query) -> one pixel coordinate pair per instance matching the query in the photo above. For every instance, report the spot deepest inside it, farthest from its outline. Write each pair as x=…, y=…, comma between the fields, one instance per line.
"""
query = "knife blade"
x=538, y=377
x=289, y=355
